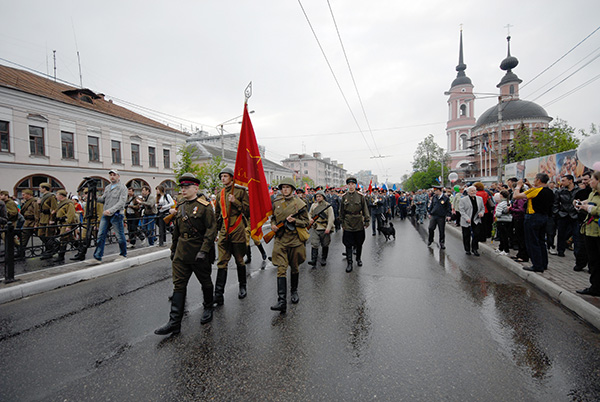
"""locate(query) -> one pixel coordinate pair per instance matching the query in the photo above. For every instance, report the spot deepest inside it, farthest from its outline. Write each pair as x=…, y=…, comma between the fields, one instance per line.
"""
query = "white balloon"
x=453, y=177
x=588, y=151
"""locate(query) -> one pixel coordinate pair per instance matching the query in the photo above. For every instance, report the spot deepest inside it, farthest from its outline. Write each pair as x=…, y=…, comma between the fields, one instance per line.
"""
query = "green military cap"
x=320, y=192
x=45, y=185
x=288, y=181
x=27, y=192
x=188, y=179
x=351, y=180
x=227, y=170
x=3, y=192
x=62, y=192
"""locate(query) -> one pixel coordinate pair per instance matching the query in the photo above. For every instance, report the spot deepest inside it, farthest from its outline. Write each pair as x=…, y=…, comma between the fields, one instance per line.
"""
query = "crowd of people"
x=533, y=219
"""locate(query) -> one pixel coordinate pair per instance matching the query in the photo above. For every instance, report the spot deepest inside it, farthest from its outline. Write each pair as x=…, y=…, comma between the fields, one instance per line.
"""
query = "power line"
x=572, y=91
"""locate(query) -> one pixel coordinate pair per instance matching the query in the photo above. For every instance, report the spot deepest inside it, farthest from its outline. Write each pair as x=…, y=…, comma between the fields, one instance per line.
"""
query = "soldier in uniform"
x=321, y=221
x=192, y=251
x=232, y=209
x=31, y=213
x=48, y=206
x=288, y=249
x=67, y=218
x=12, y=212
x=354, y=213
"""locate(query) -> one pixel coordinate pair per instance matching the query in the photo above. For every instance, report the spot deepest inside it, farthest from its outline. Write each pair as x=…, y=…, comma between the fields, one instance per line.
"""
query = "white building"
x=322, y=171
x=52, y=132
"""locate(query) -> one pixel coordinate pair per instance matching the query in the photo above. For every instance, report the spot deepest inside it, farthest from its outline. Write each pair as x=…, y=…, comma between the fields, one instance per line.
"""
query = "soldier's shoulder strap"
x=202, y=200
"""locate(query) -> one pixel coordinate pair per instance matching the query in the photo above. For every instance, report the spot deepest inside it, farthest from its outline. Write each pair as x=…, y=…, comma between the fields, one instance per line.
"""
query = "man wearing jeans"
x=113, y=198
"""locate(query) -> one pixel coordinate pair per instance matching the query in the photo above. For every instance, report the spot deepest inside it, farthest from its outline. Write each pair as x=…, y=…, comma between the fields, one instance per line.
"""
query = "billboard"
x=555, y=166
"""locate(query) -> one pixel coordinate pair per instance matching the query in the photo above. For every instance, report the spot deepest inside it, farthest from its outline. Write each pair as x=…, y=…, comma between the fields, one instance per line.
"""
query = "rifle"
x=318, y=213
x=167, y=219
x=269, y=236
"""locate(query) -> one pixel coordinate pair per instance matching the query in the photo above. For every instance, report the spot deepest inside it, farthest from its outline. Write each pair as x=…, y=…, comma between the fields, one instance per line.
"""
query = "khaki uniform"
x=193, y=231
x=232, y=241
x=67, y=218
x=31, y=213
x=324, y=221
x=354, y=213
x=12, y=211
x=48, y=204
x=288, y=250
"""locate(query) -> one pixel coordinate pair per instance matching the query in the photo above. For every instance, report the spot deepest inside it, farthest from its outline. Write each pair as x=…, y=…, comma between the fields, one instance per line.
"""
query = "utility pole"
x=54, y=55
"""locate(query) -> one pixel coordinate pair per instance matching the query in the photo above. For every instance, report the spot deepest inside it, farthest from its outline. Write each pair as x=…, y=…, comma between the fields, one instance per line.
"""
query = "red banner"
x=249, y=173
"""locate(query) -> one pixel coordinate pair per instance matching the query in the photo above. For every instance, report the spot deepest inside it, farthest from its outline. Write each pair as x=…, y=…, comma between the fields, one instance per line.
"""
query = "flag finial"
x=248, y=91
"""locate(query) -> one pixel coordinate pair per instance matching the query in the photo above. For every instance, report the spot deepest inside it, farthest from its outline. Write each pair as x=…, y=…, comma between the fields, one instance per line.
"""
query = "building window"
x=36, y=140
x=135, y=154
x=167, y=158
x=115, y=151
x=94, y=149
x=152, y=156
x=169, y=186
x=463, y=110
x=137, y=185
x=511, y=90
x=67, y=145
x=33, y=183
x=4, y=137
x=463, y=141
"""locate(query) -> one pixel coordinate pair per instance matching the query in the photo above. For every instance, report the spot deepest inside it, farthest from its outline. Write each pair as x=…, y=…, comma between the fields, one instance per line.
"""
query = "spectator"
x=149, y=203
x=133, y=213
x=565, y=213
x=164, y=202
x=517, y=209
x=539, y=207
x=113, y=198
x=591, y=228
x=503, y=223
x=581, y=258
x=486, y=222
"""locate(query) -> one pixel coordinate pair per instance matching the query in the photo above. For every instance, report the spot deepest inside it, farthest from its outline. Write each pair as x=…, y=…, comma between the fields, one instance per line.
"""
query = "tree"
x=208, y=173
x=559, y=137
x=424, y=178
x=427, y=151
x=186, y=164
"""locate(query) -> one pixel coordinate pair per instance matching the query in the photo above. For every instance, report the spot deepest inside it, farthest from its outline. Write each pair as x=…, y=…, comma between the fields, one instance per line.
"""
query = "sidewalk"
x=559, y=281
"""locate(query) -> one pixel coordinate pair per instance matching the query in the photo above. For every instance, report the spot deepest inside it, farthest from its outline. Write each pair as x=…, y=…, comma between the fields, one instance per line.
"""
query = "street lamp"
x=221, y=130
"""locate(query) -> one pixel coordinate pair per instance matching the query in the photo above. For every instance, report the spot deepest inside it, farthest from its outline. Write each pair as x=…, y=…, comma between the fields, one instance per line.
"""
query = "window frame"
x=92, y=147
x=37, y=141
x=135, y=155
x=167, y=158
x=5, y=134
x=62, y=145
x=115, y=152
x=152, y=157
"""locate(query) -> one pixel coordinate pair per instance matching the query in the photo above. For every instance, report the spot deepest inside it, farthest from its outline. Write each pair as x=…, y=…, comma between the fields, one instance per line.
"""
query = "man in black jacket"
x=565, y=213
x=440, y=211
x=581, y=258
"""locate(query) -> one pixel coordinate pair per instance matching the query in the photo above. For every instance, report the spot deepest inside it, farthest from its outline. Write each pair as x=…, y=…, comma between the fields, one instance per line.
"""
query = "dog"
x=388, y=231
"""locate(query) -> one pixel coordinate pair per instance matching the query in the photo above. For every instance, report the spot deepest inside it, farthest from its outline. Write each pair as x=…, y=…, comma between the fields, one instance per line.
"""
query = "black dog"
x=388, y=231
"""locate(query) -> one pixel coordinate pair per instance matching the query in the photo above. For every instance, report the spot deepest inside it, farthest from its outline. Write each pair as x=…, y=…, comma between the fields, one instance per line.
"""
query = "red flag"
x=249, y=173
x=306, y=187
x=370, y=189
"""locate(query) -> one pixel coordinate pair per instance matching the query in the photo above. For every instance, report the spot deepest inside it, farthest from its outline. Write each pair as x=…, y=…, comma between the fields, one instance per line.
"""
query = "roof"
x=232, y=155
x=34, y=84
x=513, y=110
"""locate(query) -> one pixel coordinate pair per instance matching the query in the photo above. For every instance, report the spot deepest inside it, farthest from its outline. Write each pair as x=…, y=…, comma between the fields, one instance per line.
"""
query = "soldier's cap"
x=115, y=171
x=299, y=190
x=320, y=192
x=351, y=180
x=62, y=192
x=437, y=187
x=188, y=179
x=3, y=192
x=45, y=185
x=75, y=197
x=28, y=192
x=227, y=170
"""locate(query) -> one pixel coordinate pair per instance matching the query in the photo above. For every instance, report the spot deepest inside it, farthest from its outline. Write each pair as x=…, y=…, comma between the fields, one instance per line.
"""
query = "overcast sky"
x=193, y=59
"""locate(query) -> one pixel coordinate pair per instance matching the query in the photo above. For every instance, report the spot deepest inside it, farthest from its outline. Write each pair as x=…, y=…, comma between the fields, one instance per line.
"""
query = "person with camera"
x=591, y=229
x=113, y=198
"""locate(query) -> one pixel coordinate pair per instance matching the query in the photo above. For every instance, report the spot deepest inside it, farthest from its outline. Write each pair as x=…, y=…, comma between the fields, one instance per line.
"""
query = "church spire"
x=461, y=77
x=507, y=65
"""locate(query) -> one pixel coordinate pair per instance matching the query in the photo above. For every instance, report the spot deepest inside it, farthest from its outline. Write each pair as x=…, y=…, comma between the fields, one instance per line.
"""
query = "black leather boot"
x=174, y=324
x=281, y=296
x=220, y=286
x=50, y=249
x=207, y=314
x=324, y=253
x=314, y=254
x=248, y=255
x=241, y=271
x=294, y=288
x=358, y=255
x=263, y=253
x=61, y=253
x=80, y=256
x=349, y=259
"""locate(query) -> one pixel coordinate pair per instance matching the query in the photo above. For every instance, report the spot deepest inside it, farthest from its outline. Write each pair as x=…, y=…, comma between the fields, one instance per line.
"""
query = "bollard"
x=9, y=254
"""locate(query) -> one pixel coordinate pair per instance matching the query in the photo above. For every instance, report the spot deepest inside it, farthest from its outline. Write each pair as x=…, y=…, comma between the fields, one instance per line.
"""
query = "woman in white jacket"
x=471, y=211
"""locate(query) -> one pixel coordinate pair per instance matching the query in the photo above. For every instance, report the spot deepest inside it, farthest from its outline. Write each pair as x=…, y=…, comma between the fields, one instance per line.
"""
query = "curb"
x=44, y=285
x=569, y=300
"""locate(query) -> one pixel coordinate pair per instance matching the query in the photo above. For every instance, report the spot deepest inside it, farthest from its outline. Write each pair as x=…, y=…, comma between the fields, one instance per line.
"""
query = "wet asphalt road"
x=414, y=323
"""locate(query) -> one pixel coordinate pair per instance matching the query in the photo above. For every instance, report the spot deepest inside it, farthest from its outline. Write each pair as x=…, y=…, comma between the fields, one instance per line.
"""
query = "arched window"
x=463, y=110
x=33, y=183
x=511, y=90
x=463, y=141
x=137, y=185
x=101, y=182
x=169, y=186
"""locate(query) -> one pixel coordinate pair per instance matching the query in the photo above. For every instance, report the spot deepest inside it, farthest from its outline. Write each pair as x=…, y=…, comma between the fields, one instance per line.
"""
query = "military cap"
x=27, y=192
x=351, y=180
x=288, y=181
x=62, y=192
x=3, y=192
x=320, y=192
x=188, y=179
x=227, y=170
x=300, y=190
x=45, y=185
x=438, y=187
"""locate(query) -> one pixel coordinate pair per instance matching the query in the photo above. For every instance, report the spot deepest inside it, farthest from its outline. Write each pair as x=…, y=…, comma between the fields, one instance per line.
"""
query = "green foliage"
x=559, y=137
x=424, y=179
x=186, y=164
x=427, y=150
x=307, y=180
x=209, y=173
